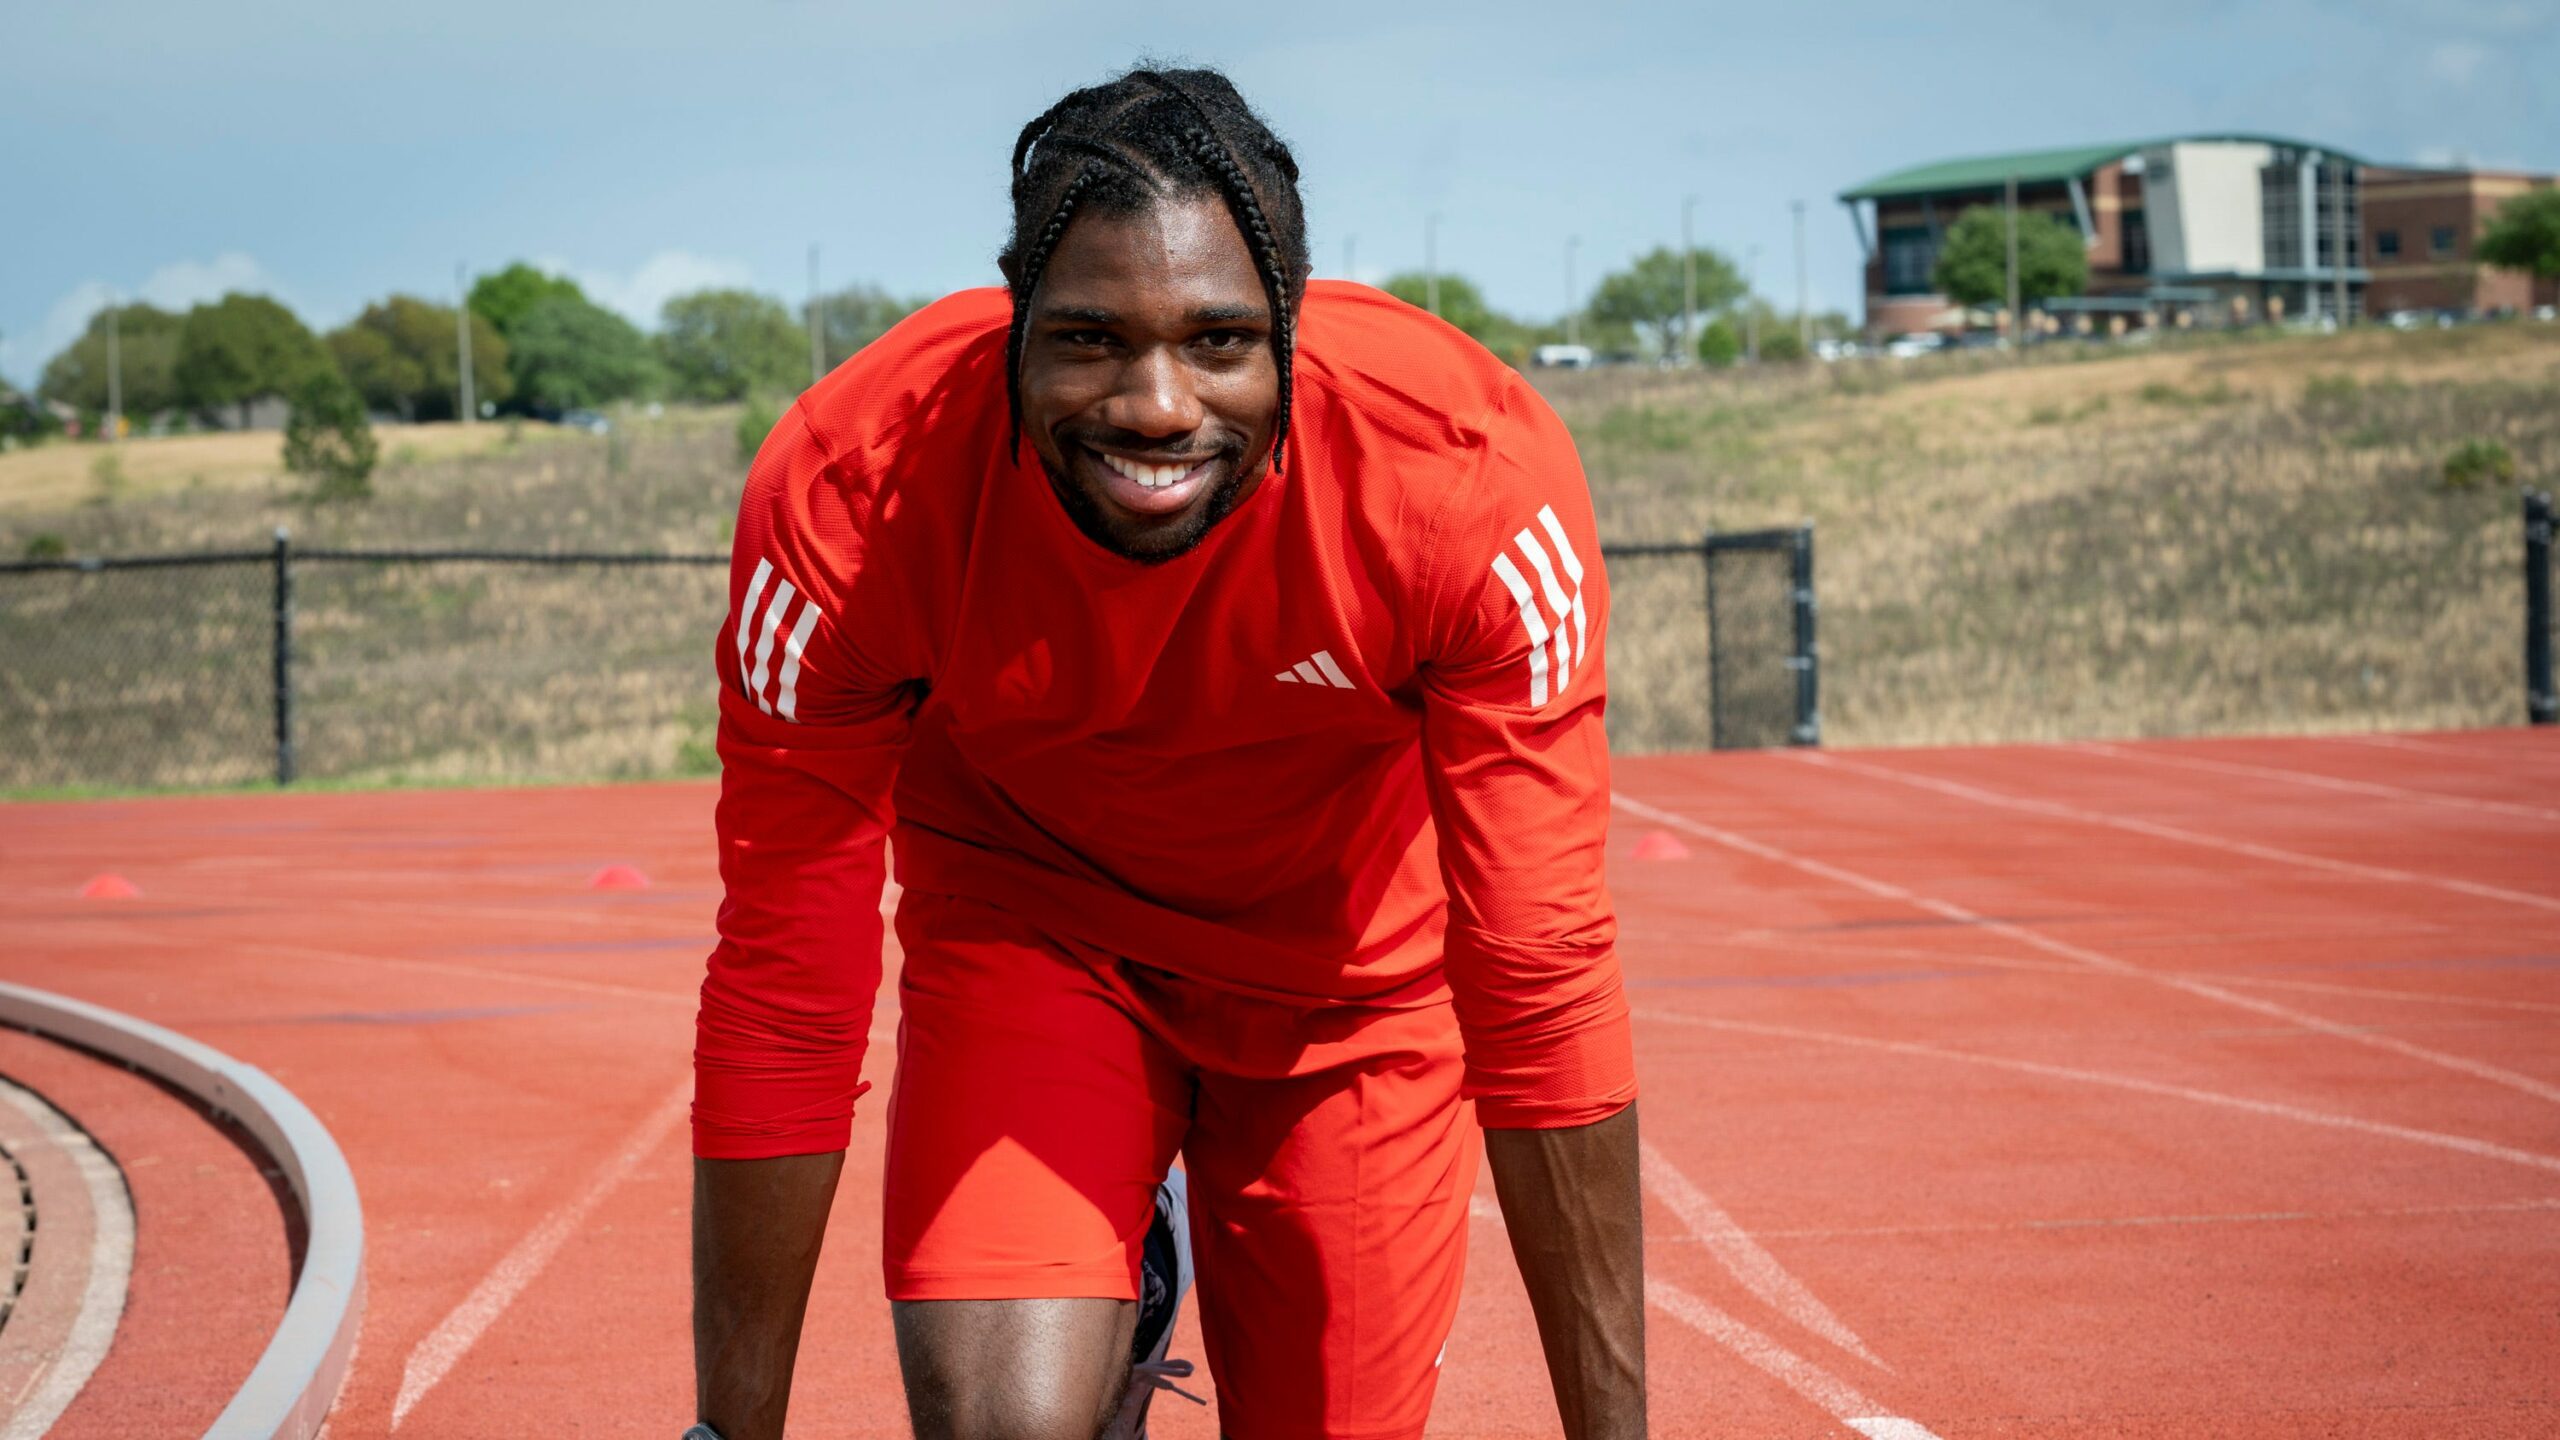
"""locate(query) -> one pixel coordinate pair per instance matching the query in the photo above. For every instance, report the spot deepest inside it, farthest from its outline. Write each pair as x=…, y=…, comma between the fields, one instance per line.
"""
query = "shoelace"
x=1162, y=1373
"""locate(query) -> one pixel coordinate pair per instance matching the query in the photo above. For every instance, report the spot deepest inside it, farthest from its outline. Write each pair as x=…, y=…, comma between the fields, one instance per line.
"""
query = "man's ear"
x=1012, y=272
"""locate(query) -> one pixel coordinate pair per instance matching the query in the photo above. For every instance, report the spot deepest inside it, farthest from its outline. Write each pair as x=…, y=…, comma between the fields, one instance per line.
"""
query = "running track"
x=2204, y=1088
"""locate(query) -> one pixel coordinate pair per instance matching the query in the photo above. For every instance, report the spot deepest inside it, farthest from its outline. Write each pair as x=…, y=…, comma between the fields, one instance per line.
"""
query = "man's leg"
x=1029, y=1124
x=1013, y=1369
x=1330, y=1162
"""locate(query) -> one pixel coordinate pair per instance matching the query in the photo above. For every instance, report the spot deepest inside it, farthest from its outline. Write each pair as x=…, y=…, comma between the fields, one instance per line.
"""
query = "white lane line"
x=453, y=1337
x=2496, y=754
x=2462, y=1144
x=2158, y=1222
x=1743, y=1257
x=2205, y=989
x=93, y=1327
x=2056, y=809
x=2371, y=992
x=2320, y=782
x=1836, y=1396
x=478, y=972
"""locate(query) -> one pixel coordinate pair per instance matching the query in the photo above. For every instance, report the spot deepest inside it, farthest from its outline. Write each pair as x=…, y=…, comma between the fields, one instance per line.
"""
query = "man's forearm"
x=757, y=1227
x=1574, y=1203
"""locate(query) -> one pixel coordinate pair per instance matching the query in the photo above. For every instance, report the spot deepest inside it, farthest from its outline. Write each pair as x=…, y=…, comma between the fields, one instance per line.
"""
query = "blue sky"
x=331, y=153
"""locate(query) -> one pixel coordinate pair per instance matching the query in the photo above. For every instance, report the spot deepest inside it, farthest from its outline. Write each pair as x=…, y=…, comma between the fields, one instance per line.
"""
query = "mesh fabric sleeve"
x=811, y=731
x=1518, y=770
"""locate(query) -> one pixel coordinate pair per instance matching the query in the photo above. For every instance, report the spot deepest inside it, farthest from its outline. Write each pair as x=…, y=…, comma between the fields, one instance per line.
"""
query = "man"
x=1231, y=647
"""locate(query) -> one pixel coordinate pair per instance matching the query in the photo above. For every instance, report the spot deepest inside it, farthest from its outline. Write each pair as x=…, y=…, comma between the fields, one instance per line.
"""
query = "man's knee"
x=1013, y=1369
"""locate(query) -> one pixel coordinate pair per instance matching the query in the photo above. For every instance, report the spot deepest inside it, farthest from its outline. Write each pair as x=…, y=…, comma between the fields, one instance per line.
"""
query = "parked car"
x=1563, y=357
x=1910, y=347
x=593, y=422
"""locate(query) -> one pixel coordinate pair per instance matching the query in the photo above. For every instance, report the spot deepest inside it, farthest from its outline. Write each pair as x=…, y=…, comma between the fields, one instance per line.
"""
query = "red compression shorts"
x=1042, y=1090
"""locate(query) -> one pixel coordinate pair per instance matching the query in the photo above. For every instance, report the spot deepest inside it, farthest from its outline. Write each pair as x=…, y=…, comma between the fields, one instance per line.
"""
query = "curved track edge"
x=288, y=1393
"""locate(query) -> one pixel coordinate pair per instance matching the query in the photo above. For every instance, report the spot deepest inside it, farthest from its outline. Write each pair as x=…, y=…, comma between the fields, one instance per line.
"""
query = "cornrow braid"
x=1136, y=141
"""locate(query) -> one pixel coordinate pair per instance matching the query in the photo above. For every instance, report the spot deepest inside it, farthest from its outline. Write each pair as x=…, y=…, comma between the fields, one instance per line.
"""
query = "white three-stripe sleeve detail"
x=747, y=617
x=1307, y=671
x=783, y=595
x=1573, y=572
x=1556, y=601
x=1535, y=623
x=1332, y=672
x=788, y=702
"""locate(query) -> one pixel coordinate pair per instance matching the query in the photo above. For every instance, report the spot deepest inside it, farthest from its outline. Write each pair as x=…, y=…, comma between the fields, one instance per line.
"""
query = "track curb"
x=288, y=1394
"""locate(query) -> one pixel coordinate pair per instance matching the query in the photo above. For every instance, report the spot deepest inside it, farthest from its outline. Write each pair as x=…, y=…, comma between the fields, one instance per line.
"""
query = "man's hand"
x=1574, y=1203
x=757, y=1225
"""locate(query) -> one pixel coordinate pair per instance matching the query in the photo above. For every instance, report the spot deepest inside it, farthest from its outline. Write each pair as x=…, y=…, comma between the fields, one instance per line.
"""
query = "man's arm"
x=1572, y=1203
x=757, y=1225
x=1517, y=765
x=811, y=732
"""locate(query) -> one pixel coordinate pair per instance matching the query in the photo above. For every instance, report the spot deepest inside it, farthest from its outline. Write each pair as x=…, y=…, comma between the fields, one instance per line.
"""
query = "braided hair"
x=1139, y=140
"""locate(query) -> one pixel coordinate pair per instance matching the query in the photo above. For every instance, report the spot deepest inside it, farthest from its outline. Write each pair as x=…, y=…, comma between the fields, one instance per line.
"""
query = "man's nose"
x=1155, y=396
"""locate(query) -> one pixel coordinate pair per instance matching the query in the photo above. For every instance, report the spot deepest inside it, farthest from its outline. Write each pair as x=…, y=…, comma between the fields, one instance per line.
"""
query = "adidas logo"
x=1317, y=669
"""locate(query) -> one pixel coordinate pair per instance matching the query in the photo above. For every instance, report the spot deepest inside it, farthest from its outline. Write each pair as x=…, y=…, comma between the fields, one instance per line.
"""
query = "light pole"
x=2017, y=332
x=1804, y=306
x=115, y=372
x=1688, y=285
x=1751, y=304
x=465, y=402
x=1572, y=296
x=817, y=324
x=1431, y=262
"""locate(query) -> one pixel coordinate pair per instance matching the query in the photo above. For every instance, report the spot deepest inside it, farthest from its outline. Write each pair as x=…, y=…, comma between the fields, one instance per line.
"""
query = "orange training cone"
x=619, y=877
x=1661, y=845
x=110, y=886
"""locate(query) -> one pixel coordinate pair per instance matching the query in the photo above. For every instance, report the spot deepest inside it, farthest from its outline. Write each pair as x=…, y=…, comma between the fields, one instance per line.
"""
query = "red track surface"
x=2194, y=1089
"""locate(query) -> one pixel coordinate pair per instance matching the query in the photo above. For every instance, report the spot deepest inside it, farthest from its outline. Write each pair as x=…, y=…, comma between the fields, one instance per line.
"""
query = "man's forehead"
x=1179, y=256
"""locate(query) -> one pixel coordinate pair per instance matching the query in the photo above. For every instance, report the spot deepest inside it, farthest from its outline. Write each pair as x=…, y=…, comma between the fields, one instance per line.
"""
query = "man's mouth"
x=1152, y=487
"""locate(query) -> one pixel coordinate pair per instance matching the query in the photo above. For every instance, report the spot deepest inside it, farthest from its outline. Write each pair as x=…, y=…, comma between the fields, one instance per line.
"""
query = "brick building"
x=2205, y=229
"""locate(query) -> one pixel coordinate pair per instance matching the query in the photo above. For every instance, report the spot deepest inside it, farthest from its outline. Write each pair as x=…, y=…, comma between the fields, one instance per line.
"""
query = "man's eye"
x=1226, y=339
x=1085, y=339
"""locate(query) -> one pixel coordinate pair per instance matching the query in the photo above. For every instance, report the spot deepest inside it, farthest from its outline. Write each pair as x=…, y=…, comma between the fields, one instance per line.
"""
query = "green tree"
x=1973, y=261
x=401, y=356
x=240, y=348
x=857, y=315
x=1719, y=343
x=327, y=437
x=2525, y=234
x=1648, y=295
x=570, y=353
x=146, y=351
x=507, y=296
x=720, y=345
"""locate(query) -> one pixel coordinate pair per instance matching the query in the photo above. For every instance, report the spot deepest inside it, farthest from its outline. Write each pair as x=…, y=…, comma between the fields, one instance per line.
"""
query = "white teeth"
x=1154, y=477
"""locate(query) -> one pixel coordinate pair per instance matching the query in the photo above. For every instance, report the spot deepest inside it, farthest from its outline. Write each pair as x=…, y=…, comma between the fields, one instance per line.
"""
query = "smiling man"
x=1223, y=651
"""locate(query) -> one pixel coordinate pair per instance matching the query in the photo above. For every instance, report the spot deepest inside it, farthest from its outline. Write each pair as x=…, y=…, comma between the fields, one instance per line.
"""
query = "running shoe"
x=1164, y=1277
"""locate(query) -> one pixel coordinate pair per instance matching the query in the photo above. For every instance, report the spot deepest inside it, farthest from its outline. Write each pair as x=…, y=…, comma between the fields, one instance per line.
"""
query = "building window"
x=2440, y=240
x=1910, y=255
x=2386, y=243
x=2137, y=243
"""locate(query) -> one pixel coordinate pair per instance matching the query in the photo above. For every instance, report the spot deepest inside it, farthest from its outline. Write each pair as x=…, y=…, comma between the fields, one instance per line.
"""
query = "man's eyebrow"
x=1227, y=314
x=1079, y=314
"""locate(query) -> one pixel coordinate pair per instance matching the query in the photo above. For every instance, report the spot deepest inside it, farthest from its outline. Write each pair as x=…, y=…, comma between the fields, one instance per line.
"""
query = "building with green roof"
x=2211, y=228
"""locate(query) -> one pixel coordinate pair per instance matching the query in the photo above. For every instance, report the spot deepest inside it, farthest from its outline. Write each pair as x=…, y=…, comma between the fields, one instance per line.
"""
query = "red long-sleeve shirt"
x=1348, y=749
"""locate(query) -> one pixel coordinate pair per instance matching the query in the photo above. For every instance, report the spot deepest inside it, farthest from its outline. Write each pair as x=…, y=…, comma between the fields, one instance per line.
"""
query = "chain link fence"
x=378, y=666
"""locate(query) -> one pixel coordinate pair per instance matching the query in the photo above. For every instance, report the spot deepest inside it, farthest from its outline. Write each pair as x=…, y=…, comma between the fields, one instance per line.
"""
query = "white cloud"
x=171, y=287
x=639, y=293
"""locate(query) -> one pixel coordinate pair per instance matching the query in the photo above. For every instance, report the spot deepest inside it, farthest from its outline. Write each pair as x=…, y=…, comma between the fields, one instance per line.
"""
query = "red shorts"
x=1043, y=1089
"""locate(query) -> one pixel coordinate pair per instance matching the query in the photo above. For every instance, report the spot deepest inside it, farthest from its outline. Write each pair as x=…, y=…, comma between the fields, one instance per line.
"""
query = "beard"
x=1156, y=543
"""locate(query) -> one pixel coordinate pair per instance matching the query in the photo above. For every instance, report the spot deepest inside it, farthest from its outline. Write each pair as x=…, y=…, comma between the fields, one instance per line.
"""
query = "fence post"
x=1807, y=660
x=2541, y=702
x=284, y=655
x=1707, y=577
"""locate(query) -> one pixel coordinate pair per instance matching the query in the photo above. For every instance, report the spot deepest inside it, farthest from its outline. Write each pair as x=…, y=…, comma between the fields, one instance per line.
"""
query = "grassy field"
x=2229, y=535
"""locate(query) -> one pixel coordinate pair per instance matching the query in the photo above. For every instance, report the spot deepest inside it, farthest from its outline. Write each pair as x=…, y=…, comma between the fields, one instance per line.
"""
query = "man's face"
x=1149, y=383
